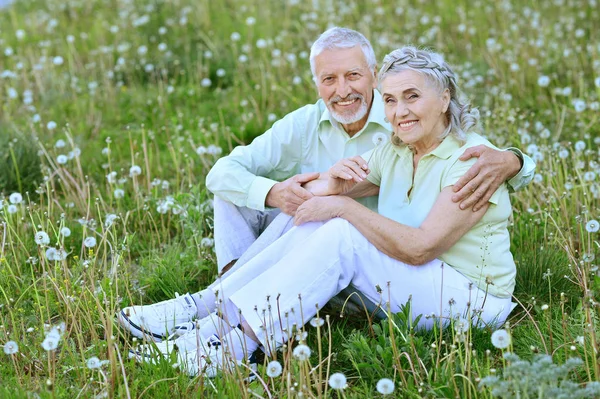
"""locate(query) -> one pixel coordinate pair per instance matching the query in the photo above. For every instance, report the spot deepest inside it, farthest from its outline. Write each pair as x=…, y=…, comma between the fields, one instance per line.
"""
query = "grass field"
x=112, y=112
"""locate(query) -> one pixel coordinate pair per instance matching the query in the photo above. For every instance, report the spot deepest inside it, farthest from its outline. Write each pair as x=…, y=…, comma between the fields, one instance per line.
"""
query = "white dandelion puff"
x=317, y=322
x=207, y=242
x=380, y=138
x=274, y=369
x=51, y=125
x=50, y=343
x=11, y=347
x=119, y=193
x=501, y=339
x=65, y=232
x=12, y=208
x=89, y=242
x=337, y=381
x=62, y=159
x=15, y=198
x=135, y=171
x=42, y=238
x=592, y=226
x=93, y=363
x=543, y=81
x=301, y=352
x=385, y=386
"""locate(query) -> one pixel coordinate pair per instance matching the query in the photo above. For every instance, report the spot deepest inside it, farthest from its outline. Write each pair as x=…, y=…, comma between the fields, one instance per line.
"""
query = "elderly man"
x=268, y=179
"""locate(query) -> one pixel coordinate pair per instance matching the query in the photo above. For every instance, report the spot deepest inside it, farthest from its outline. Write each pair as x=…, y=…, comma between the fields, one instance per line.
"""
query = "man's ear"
x=375, y=77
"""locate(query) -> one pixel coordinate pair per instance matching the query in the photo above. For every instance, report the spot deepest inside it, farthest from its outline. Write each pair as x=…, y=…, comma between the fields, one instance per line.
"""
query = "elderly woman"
x=420, y=247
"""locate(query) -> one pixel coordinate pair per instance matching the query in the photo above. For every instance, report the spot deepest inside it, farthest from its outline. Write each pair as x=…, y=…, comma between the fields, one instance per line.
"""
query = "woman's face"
x=415, y=109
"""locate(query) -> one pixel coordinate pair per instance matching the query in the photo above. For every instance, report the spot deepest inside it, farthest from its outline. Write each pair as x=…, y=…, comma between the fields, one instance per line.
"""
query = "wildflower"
x=380, y=138
x=58, y=60
x=20, y=34
x=337, y=381
x=274, y=369
x=60, y=143
x=110, y=219
x=597, y=82
x=301, y=336
x=592, y=226
x=543, y=81
x=579, y=340
x=385, y=386
x=301, y=352
x=119, y=193
x=15, y=198
x=579, y=146
x=42, y=238
x=272, y=117
x=235, y=36
x=221, y=72
x=207, y=242
x=11, y=347
x=30, y=329
x=297, y=80
x=142, y=50
x=50, y=343
x=261, y=43
x=135, y=171
x=563, y=153
x=93, y=363
x=111, y=177
x=589, y=176
x=206, y=82
x=65, y=232
x=579, y=105
x=317, y=322
x=89, y=242
x=51, y=254
x=501, y=339
x=51, y=125
x=162, y=47
x=545, y=307
x=250, y=21
x=61, y=159
x=162, y=30
x=12, y=208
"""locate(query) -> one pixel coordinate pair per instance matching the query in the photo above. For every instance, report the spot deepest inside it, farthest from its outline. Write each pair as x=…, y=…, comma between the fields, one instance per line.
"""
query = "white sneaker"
x=160, y=320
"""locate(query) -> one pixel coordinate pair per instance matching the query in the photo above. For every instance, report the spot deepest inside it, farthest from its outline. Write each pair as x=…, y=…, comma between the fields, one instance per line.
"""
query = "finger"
x=357, y=169
x=460, y=184
x=471, y=152
x=360, y=161
x=467, y=190
x=474, y=198
x=300, y=194
x=306, y=177
x=483, y=201
x=340, y=172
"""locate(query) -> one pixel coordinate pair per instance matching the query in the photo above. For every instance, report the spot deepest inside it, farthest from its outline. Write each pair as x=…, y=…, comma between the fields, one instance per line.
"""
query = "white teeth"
x=345, y=102
x=407, y=124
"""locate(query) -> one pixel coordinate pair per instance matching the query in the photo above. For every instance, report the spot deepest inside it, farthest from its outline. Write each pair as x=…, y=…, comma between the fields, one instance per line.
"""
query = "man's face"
x=346, y=84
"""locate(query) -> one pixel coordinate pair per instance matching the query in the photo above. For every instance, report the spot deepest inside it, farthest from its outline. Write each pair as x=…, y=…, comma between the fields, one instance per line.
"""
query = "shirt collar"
x=376, y=115
x=443, y=151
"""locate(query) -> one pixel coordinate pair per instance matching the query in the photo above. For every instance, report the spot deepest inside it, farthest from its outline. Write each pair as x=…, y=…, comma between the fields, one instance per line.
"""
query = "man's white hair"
x=342, y=38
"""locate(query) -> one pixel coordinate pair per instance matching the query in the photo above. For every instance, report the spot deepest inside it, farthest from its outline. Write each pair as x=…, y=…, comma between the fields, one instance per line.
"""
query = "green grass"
x=152, y=110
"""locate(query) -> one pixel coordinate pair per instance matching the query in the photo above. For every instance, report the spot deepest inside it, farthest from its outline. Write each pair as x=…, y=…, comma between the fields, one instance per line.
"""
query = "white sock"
x=205, y=301
x=239, y=344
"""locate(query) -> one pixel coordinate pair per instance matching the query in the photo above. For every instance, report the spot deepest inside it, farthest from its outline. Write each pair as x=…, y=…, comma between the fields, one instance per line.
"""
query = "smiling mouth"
x=407, y=125
x=346, y=103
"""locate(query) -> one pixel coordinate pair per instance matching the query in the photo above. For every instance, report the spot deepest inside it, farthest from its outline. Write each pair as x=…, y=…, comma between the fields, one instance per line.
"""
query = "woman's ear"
x=445, y=100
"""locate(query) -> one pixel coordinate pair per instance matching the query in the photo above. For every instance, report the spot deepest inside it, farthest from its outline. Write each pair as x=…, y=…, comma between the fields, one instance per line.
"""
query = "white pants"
x=288, y=282
x=237, y=228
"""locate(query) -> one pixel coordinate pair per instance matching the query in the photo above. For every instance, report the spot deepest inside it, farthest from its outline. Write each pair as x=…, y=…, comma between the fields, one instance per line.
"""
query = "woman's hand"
x=319, y=209
x=345, y=174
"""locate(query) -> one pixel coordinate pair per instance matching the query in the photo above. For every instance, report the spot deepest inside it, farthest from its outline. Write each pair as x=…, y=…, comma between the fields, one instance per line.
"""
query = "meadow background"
x=112, y=112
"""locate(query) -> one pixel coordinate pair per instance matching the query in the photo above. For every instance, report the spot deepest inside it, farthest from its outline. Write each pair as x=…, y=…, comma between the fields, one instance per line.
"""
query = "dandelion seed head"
x=543, y=81
x=135, y=171
x=15, y=198
x=89, y=242
x=302, y=352
x=62, y=159
x=338, y=381
x=501, y=339
x=42, y=238
x=11, y=348
x=65, y=232
x=385, y=386
x=592, y=226
x=51, y=125
x=274, y=369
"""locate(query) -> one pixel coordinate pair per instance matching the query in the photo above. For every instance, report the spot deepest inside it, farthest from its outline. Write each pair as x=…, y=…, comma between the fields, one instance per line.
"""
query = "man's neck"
x=352, y=128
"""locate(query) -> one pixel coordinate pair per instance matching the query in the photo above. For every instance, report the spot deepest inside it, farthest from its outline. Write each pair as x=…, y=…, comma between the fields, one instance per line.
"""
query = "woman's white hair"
x=459, y=116
x=342, y=38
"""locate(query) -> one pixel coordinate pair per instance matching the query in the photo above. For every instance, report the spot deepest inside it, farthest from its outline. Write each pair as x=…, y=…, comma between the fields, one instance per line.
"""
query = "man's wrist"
x=518, y=154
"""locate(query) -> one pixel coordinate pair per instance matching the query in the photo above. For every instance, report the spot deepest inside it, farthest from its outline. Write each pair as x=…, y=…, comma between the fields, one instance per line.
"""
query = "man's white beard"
x=348, y=119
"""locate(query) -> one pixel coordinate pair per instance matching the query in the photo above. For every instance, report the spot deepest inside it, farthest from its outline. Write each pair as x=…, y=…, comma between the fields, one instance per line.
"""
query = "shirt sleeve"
x=246, y=176
x=525, y=175
x=458, y=170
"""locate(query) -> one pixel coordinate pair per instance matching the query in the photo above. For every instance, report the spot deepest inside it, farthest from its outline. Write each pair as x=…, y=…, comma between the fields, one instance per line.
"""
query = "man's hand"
x=493, y=167
x=289, y=194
